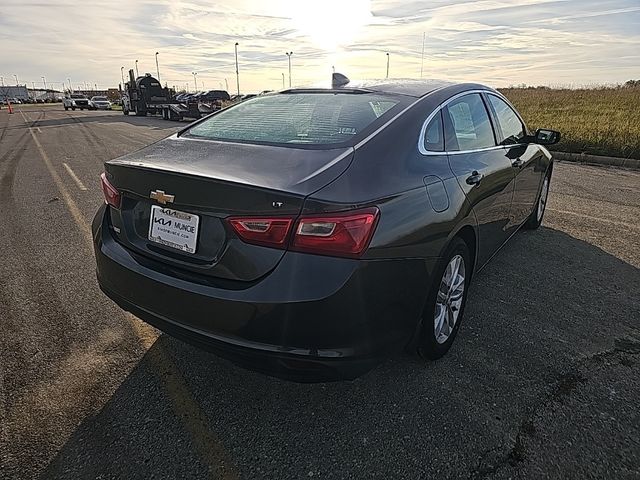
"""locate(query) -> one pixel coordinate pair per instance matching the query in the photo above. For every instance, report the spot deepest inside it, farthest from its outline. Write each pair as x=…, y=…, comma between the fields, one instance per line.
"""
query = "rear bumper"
x=311, y=319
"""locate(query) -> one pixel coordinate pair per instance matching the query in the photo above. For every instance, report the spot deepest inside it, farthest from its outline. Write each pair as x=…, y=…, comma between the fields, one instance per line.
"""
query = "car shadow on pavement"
x=539, y=315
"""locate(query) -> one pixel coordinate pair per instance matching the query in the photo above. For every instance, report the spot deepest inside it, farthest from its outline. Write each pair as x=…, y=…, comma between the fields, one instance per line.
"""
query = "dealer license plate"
x=173, y=228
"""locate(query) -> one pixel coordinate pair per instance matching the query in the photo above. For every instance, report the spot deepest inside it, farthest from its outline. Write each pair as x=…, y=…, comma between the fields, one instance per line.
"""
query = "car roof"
x=397, y=86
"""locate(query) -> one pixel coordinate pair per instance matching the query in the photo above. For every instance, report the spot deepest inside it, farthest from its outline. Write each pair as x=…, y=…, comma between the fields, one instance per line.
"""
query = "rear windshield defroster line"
x=300, y=119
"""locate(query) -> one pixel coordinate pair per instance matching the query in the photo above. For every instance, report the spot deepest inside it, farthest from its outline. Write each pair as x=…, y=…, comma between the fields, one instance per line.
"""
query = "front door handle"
x=475, y=178
x=518, y=163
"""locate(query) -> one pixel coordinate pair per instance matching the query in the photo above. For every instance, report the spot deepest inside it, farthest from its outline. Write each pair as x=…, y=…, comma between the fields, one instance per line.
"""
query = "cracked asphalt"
x=542, y=382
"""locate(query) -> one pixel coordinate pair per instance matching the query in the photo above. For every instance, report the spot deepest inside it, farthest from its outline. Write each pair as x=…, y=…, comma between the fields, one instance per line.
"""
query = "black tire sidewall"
x=428, y=347
x=533, y=222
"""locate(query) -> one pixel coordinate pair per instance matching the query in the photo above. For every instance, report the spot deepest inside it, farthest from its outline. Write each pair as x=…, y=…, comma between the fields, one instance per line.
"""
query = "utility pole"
x=387, y=65
x=226, y=84
x=70, y=87
x=16, y=79
x=2, y=80
x=237, y=71
x=157, y=67
x=195, y=81
x=44, y=82
x=122, y=75
x=288, y=54
x=137, y=74
x=424, y=36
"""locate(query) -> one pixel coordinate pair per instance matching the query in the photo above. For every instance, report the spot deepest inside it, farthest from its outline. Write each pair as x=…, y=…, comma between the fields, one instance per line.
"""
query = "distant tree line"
x=627, y=84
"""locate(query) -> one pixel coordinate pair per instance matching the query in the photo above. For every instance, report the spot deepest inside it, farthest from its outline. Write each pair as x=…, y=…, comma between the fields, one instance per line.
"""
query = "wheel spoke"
x=449, y=298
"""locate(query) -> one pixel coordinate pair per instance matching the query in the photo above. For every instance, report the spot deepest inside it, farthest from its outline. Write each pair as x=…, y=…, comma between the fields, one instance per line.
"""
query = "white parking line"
x=75, y=177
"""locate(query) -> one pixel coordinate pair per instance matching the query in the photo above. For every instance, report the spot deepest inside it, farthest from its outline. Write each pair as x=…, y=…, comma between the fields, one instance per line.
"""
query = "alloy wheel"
x=449, y=298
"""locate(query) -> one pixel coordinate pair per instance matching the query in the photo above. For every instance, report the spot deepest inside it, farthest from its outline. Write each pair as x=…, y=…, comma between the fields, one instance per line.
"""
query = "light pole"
x=237, y=71
x=288, y=54
x=387, y=65
x=96, y=85
x=16, y=76
x=122, y=75
x=70, y=87
x=2, y=80
x=157, y=67
x=226, y=84
x=195, y=81
x=137, y=74
x=44, y=82
x=283, y=80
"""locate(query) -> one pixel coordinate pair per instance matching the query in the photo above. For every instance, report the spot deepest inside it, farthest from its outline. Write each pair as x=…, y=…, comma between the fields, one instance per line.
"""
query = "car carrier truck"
x=145, y=95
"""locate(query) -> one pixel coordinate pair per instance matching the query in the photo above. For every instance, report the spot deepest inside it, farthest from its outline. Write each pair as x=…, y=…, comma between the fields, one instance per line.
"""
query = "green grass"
x=603, y=121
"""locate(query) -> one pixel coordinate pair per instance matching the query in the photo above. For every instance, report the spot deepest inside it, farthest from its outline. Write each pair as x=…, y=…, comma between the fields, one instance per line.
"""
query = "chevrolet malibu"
x=310, y=233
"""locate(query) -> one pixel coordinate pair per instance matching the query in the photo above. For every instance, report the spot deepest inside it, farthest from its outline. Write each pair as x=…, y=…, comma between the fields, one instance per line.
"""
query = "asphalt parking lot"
x=542, y=382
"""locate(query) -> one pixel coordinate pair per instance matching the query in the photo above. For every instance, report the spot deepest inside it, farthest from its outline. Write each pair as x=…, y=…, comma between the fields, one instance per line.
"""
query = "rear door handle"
x=475, y=178
x=518, y=163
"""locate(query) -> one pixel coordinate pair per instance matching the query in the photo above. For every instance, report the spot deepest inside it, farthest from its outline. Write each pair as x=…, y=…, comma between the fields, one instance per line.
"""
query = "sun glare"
x=332, y=23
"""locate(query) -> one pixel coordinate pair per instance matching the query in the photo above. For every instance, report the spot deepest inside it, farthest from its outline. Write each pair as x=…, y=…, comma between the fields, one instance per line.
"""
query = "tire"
x=73, y=108
x=535, y=219
x=436, y=341
x=125, y=111
x=66, y=108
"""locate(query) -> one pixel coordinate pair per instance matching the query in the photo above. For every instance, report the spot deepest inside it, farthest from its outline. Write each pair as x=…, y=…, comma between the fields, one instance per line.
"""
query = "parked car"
x=309, y=234
x=100, y=103
x=75, y=100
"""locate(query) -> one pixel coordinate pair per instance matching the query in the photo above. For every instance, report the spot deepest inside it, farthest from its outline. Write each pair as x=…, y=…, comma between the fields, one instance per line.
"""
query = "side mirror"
x=545, y=136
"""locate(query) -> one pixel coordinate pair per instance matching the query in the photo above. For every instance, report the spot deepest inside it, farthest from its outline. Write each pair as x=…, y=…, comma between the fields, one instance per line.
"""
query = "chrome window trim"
x=391, y=120
x=437, y=110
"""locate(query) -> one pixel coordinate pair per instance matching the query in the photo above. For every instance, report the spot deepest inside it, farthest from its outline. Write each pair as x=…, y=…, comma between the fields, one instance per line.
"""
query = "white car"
x=100, y=103
x=76, y=100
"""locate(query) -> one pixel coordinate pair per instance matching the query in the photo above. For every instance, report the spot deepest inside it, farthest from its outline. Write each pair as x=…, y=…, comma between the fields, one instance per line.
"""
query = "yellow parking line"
x=74, y=177
x=209, y=448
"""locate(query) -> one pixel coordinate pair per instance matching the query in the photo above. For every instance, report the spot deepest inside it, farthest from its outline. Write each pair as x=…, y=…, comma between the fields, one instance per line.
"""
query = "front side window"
x=434, y=135
x=471, y=127
x=296, y=118
x=512, y=129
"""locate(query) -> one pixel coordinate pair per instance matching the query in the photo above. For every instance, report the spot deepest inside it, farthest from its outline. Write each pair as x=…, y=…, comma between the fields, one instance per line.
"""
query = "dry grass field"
x=602, y=121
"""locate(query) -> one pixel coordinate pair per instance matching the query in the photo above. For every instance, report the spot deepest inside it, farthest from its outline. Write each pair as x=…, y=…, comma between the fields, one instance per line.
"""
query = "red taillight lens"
x=111, y=195
x=270, y=232
x=345, y=234
x=339, y=234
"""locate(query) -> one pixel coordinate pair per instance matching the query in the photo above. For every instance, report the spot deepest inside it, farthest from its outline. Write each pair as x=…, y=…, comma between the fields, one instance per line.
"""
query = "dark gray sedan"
x=310, y=233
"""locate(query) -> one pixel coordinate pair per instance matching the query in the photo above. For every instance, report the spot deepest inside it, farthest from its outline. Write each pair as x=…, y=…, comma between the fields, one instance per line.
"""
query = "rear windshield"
x=297, y=118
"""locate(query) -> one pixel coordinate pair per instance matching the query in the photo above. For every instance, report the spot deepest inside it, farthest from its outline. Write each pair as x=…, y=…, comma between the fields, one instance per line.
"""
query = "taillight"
x=338, y=234
x=345, y=234
x=270, y=232
x=111, y=194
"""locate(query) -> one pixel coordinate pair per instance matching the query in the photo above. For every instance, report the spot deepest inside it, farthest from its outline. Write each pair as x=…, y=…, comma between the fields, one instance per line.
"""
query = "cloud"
x=499, y=42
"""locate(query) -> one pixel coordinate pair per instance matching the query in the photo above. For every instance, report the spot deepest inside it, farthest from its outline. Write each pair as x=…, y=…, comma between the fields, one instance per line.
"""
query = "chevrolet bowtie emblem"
x=161, y=197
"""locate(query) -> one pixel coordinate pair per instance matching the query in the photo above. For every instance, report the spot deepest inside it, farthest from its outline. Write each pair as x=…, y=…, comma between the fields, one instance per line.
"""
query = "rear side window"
x=296, y=118
x=511, y=126
x=434, y=135
x=471, y=128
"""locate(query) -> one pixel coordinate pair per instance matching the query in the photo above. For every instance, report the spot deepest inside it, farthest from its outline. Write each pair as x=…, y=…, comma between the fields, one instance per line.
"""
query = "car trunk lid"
x=215, y=180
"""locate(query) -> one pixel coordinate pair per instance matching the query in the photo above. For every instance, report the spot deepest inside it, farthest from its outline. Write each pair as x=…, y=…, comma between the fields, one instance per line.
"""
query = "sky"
x=496, y=42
